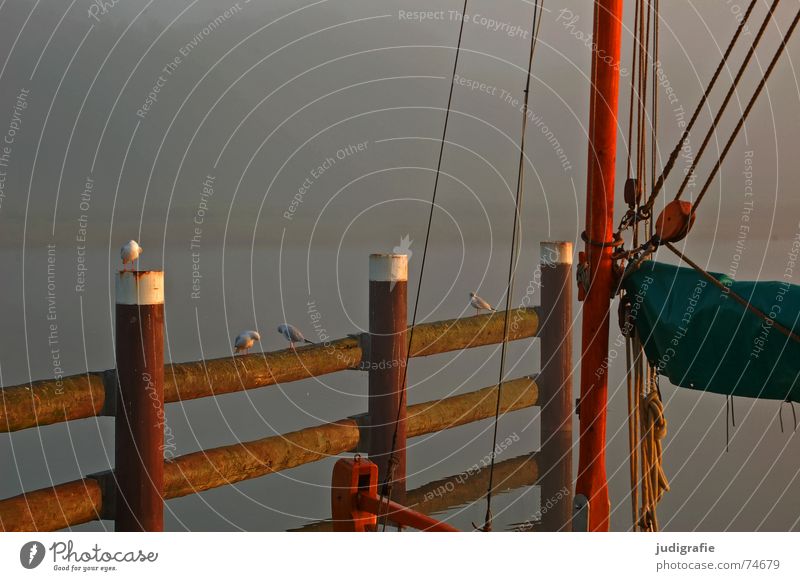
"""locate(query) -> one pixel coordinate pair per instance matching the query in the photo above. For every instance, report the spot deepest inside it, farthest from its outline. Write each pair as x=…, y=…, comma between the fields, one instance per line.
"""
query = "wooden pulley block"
x=633, y=193
x=675, y=221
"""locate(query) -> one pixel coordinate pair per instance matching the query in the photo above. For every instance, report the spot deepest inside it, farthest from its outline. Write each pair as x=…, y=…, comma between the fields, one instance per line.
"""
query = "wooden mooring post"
x=139, y=427
x=386, y=360
x=555, y=386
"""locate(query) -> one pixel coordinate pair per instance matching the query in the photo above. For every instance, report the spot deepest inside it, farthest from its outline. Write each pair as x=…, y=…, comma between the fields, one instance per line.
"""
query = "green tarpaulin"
x=701, y=338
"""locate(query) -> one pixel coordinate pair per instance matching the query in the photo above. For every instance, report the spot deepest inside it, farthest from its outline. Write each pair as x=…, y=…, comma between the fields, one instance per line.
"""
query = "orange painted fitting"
x=351, y=476
x=355, y=504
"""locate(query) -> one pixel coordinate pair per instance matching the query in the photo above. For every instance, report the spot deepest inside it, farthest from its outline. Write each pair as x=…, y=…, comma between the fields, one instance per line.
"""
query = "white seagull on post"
x=479, y=304
x=129, y=253
x=292, y=334
x=245, y=341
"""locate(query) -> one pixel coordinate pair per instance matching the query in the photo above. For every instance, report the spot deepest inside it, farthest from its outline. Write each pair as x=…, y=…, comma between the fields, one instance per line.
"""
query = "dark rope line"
x=727, y=423
x=630, y=98
x=656, y=63
x=726, y=290
x=673, y=157
x=487, y=525
x=747, y=110
x=727, y=99
x=642, y=160
x=388, y=481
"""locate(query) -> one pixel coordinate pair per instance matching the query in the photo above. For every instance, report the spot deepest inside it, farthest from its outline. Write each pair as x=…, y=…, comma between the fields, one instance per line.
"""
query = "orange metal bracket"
x=351, y=476
x=355, y=504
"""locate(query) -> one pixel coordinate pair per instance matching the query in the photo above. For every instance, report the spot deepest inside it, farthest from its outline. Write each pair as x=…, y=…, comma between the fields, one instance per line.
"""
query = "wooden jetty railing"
x=74, y=397
x=118, y=494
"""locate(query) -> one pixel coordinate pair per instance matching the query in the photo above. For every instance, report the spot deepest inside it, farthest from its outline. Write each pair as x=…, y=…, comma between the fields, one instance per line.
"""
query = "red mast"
x=591, y=480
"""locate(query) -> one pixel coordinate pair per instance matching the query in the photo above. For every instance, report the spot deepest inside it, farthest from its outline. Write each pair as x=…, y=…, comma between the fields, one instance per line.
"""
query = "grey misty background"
x=265, y=98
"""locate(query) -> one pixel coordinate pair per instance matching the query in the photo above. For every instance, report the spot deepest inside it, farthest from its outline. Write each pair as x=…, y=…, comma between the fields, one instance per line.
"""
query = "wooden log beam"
x=53, y=508
x=66, y=504
x=228, y=464
x=216, y=467
x=435, y=416
x=476, y=331
x=51, y=401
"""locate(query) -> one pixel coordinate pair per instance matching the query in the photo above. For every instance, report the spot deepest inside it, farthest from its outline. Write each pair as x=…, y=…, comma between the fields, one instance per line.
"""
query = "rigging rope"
x=537, y=8
x=647, y=426
x=646, y=423
x=725, y=289
x=386, y=488
x=651, y=245
x=727, y=99
x=654, y=429
x=747, y=110
x=654, y=132
x=673, y=157
x=630, y=98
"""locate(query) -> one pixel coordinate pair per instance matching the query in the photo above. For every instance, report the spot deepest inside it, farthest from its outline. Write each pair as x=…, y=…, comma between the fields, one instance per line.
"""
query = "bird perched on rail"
x=479, y=304
x=245, y=341
x=129, y=253
x=292, y=334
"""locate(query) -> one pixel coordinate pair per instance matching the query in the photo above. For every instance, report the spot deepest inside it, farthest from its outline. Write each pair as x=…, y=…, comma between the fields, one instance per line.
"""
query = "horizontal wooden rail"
x=461, y=489
x=50, y=401
x=81, y=501
x=54, y=508
x=229, y=464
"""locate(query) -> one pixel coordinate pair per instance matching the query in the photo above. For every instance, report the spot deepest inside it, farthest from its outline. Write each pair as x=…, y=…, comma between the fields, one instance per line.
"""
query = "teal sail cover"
x=701, y=338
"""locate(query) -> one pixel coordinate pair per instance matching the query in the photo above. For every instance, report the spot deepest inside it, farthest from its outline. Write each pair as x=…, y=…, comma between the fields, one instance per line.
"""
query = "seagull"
x=292, y=334
x=129, y=253
x=479, y=304
x=245, y=341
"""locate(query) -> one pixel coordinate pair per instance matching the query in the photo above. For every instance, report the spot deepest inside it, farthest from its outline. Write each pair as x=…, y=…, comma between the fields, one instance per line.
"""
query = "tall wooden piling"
x=388, y=321
x=555, y=385
x=139, y=432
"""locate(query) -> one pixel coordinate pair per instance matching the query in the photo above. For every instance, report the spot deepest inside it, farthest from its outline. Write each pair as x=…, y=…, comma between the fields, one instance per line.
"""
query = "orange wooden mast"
x=591, y=480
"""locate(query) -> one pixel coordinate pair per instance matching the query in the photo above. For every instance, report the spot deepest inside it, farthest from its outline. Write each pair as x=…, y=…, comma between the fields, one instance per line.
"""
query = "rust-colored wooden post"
x=388, y=322
x=555, y=386
x=139, y=432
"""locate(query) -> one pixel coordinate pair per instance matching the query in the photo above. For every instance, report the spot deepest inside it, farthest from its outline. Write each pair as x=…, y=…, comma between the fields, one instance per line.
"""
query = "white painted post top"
x=388, y=267
x=145, y=287
x=556, y=252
